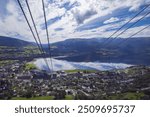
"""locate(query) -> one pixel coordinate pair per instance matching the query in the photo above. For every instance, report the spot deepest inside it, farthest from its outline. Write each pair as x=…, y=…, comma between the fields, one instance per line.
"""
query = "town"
x=22, y=80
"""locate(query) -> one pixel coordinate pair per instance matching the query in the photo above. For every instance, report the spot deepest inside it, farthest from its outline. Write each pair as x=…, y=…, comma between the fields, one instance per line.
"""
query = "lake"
x=67, y=65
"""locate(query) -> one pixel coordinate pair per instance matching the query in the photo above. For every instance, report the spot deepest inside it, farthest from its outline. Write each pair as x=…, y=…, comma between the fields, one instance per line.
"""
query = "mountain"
x=96, y=44
x=15, y=49
x=132, y=51
x=13, y=42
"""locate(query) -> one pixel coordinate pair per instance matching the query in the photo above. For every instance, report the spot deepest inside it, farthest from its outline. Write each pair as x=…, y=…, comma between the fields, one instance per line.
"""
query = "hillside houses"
x=15, y=81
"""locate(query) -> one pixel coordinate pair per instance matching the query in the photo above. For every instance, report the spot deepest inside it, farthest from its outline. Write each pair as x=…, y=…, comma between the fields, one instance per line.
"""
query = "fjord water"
x=67, y=65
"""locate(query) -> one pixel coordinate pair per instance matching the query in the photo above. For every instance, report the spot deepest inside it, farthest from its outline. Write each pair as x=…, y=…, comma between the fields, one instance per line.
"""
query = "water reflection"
x=66, y=65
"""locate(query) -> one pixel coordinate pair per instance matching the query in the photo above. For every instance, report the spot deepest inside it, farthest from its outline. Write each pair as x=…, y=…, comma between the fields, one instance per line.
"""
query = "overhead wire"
x=47, y=34
x=108, y=39
x=29, y=9
x=129, y=27
x=39, y=46
x=128, y=38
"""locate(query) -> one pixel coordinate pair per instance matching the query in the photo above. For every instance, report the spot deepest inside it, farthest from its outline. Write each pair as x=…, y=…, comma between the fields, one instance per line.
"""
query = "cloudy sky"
x=73, y=18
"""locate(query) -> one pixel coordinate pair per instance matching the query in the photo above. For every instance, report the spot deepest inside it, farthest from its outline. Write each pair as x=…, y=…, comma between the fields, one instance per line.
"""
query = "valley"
x=21, y=79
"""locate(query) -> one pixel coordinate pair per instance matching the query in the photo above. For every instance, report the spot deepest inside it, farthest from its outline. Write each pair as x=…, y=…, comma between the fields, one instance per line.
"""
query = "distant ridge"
x=9, y=41
x=134, y=51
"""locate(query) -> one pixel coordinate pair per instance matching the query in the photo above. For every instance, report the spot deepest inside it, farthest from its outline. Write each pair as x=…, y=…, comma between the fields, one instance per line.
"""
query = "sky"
x=68, y=19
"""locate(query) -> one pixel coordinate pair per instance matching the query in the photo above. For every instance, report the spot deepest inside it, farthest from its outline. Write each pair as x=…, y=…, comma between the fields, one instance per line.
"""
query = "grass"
x=30, y=66
x=34, y=98
x=69, y=97
x=128, y=96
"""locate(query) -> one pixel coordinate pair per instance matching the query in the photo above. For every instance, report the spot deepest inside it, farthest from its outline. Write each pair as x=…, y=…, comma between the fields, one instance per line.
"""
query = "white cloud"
x=81, y=16
x=111, y=20
x=14, y=24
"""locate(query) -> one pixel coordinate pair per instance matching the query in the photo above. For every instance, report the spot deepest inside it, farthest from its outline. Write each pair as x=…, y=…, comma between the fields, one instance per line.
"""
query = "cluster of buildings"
x=15, y=81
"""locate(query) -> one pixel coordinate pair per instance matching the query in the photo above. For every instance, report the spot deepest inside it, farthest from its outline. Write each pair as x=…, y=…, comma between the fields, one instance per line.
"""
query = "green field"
x=69, y=97
x=30, y=66
x=127, y=96
x=34, y=98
